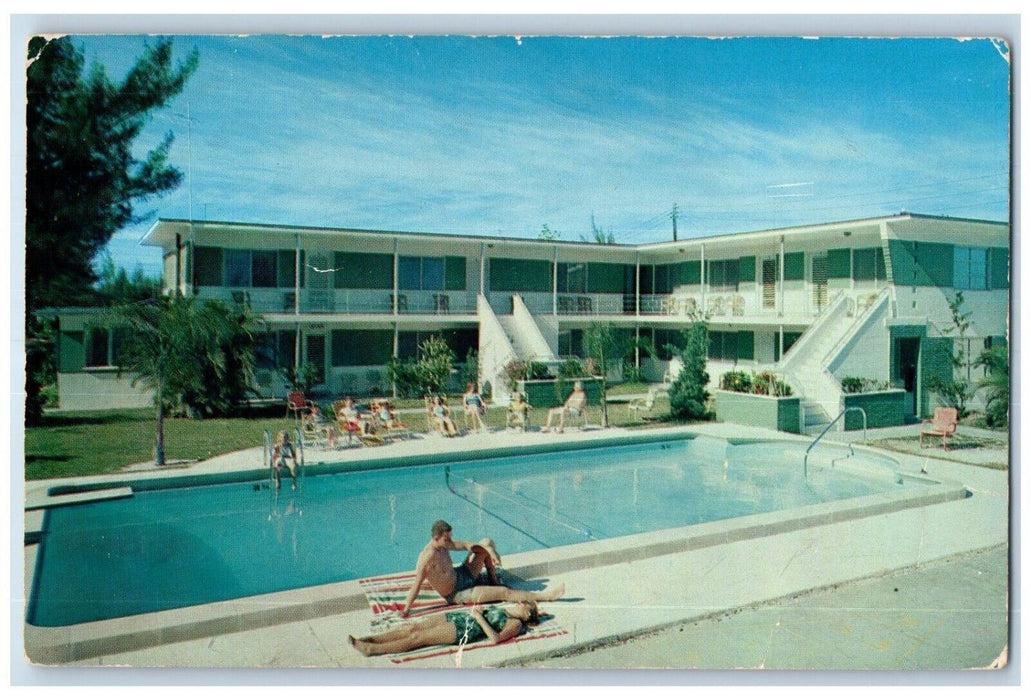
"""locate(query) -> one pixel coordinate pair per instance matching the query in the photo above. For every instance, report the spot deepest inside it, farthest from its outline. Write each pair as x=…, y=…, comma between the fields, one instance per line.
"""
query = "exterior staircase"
x=805, y=366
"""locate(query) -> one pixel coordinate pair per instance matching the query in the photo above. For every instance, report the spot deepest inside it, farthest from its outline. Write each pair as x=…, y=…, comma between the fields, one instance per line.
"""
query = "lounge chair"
x=943, y=426
x=637, y=406
x=348, y=426
x=518, y=416
x=297, y=404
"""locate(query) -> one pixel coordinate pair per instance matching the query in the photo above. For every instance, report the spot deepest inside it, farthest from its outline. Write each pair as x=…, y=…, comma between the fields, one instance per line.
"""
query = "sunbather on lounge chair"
x=475, y=408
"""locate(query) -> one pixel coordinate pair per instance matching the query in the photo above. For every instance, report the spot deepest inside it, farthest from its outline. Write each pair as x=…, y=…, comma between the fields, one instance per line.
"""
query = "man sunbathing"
x=457, y=584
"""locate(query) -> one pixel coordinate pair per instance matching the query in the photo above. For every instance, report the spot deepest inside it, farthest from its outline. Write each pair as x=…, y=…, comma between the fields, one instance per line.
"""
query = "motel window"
x=263, y=268
x=209, y=267
x=460, y=340
x=571, y=343
x=98, y=347
x=572, y=278
x=361, y=348
x=414, y=273
x=970, y=268
x=724, y=275
x=105, y=346
x=661, y=338
x=868, y=265
x=238, y=268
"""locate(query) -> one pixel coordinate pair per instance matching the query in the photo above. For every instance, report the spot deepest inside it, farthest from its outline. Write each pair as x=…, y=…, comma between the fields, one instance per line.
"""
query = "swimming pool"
x=171, y=548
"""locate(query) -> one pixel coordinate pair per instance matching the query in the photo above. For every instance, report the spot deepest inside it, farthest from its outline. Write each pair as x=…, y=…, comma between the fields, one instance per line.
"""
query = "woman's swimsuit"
x=468, y=630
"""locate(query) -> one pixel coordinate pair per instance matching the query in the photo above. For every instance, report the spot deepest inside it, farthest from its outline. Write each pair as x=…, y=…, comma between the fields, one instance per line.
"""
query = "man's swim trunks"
x=463, y=581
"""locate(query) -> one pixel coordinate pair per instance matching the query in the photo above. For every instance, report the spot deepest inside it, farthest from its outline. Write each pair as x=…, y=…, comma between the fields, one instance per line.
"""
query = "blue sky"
x=500, y=136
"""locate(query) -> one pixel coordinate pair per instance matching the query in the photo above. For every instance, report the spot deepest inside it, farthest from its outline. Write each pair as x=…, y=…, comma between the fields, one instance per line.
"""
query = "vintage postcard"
x=394, y=351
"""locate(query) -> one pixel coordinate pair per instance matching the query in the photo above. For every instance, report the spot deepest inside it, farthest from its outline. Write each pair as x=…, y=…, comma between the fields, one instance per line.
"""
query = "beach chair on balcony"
x=942, y=426
x=714, y=306
x=737, y=305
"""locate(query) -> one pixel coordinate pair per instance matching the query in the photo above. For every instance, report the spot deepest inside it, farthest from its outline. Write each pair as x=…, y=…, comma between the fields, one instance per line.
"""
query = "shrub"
x=736, y=380
x=688, y=398
x=517, y=371
x=762, y=383
x=862, y=385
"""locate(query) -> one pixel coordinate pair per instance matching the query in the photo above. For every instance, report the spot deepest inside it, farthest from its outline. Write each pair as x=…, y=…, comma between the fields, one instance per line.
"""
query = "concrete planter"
x=541, y=393
x=774, y=412
x=883, y=409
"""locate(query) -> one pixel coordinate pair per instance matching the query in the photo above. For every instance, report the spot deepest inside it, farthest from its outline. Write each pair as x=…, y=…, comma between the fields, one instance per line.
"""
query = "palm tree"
x=996, y=383
x=183, y=348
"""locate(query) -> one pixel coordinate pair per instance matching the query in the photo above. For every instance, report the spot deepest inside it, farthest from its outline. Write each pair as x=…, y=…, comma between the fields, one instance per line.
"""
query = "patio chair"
x=637, y=406
x=297, y=403
x=943, y=426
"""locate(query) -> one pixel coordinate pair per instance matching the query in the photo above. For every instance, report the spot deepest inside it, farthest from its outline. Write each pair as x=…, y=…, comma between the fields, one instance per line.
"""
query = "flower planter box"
x=774, y=412
x=541, y=393
x=883, y=409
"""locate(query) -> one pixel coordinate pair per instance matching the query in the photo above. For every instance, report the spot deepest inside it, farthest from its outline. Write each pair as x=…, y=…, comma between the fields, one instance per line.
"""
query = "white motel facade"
x=813, y=304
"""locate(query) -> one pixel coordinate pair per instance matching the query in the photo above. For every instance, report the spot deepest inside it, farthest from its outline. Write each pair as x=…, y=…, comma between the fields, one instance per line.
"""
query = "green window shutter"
x=605, y=278
x=746, y=269
x=518, y=275
x=935, y=361
x=794, y=266
x=71, y=351
x=839, y=263
x=746, y=345
x=937, y=261
x=363, y=271
x=691, y=272
x=998, y=268
x=882, y=269
x=454, y=273
x=209, y=267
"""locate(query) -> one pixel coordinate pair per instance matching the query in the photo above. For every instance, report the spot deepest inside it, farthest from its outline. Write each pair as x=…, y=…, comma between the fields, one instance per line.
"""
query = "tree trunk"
x=159, y=443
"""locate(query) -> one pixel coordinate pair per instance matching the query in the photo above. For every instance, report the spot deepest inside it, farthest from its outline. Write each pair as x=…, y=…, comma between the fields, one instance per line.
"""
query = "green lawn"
x=106, y=442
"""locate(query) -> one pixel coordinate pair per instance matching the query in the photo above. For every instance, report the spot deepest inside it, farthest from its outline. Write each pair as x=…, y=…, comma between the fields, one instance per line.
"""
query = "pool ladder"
x=805, y=460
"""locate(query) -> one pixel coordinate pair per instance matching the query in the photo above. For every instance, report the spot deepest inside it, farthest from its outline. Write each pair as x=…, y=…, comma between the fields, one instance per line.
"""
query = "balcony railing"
x=347, y=301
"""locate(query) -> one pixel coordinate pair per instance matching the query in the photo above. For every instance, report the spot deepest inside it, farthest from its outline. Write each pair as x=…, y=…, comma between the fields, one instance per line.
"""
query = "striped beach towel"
x=387, y=595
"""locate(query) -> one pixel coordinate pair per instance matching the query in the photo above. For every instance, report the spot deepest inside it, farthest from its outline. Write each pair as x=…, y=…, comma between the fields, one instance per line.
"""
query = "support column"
x=554, y=282
x=393, y=299
x=297, y=275
x=780, y=293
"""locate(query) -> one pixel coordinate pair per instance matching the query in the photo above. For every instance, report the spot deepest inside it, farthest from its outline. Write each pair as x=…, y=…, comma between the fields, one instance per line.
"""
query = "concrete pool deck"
x=617, y=600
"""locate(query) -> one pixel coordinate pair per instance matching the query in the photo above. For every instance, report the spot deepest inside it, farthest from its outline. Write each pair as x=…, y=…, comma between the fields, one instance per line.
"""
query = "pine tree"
x=82, y=178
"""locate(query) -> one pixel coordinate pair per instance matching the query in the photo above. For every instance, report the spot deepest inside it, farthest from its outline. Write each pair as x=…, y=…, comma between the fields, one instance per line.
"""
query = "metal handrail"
x=268, y=456
x=805, y=460
x=299, y=441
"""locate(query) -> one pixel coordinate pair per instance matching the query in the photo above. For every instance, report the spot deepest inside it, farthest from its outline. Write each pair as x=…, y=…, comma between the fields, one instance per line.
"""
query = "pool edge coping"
x=59, y=645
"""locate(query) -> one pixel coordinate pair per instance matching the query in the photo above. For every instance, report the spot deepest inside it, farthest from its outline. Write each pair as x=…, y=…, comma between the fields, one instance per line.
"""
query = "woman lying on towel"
x=492, y=622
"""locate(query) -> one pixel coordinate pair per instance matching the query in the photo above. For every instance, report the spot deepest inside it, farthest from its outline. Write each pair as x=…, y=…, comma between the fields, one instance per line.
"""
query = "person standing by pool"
x=474, y=407
x=574, y=406
x=457, y=584
x=496, y=623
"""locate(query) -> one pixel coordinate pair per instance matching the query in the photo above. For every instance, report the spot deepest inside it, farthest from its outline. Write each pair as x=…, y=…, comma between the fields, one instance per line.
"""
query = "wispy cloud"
x=481, y=136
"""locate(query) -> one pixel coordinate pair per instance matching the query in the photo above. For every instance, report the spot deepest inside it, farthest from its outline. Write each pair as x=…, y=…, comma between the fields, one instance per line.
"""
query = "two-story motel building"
x=866, y=298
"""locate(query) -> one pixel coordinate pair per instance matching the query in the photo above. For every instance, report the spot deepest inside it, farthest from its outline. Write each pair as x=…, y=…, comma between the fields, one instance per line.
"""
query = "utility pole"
x=673, y=215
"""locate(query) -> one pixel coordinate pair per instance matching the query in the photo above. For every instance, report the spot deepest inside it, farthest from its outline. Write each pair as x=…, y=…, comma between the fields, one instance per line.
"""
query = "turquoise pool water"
x=172, y=548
